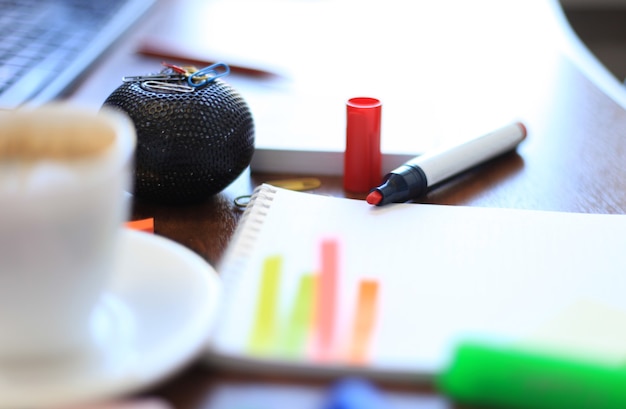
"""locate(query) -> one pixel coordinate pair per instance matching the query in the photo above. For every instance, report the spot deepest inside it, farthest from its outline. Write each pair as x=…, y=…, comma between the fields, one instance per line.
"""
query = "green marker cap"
x=518, y=378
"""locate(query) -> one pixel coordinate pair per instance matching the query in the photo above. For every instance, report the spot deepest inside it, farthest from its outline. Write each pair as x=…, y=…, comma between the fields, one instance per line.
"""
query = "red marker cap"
x=362, y=158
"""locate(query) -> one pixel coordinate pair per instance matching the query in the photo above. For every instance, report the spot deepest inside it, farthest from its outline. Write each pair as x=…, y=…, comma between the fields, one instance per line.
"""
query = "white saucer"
x=154, y=318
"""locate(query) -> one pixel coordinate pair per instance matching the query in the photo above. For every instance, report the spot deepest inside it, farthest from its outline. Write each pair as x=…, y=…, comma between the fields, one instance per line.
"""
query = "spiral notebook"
x=320, y=285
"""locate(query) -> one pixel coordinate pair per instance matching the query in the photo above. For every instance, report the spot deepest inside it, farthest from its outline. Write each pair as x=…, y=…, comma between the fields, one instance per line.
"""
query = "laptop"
x=45, y=45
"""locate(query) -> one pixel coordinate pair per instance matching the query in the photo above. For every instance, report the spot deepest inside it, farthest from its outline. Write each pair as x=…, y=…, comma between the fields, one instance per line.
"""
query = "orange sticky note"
x=364, y=321
x=146, y=225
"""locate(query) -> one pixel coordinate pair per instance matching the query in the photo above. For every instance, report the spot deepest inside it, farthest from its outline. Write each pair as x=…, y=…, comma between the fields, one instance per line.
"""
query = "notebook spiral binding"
x=235, y=261
x=258, y=206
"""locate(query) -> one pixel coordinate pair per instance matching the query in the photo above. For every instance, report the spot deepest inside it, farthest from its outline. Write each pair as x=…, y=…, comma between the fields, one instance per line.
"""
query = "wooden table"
x=574, y=159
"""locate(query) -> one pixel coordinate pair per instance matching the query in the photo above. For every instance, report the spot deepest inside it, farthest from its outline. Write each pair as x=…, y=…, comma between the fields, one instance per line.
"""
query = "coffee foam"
x=55, y=133
x=48, y=148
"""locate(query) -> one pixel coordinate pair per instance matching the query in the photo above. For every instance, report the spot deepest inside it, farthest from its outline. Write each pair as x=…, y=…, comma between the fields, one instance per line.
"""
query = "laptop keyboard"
x=46, y=44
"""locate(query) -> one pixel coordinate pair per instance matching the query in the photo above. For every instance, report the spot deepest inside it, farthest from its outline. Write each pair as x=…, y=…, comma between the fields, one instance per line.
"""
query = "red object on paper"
x=362, y=158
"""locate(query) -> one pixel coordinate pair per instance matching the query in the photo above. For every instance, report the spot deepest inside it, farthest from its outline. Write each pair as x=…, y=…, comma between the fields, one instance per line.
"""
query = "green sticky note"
x=300, y=321
x=264, y=332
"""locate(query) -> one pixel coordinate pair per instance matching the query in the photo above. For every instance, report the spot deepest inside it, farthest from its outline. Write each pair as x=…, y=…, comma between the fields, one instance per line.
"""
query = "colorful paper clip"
x=175, y=68
x=180, y=79
x=208, y=74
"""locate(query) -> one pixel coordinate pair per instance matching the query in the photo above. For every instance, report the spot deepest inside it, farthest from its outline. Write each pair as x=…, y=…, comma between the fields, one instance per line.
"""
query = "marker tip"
x=374, y=197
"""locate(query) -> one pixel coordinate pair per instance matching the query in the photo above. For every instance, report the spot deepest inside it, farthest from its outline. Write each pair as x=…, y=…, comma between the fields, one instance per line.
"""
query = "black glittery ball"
x=190, y=146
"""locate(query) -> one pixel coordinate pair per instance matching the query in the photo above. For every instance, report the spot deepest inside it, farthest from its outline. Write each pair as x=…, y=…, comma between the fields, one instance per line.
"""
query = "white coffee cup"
x=63, y=176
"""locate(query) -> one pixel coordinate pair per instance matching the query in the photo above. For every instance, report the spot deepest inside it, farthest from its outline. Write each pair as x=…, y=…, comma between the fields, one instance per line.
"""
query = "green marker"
x=517, y=378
